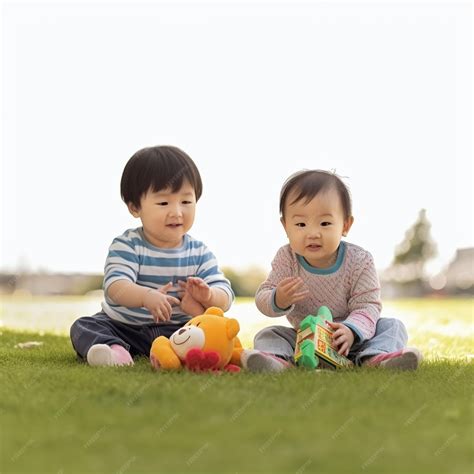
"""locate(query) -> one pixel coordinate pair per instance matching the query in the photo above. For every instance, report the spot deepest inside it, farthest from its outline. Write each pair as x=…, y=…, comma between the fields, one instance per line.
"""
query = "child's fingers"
x=168, y=309
x=343, y=348
x=163, y=311
x=297, y=283
x=297, y=288
x=298, y=291
x=195, y=281
x=202, y=285
x=299, y=296
x=172, y=300
x=339, y=340
x=166, y=287
x=286, y=289
x=192, y=284
x=334, y=326
x=286, y=283
x=157, y=315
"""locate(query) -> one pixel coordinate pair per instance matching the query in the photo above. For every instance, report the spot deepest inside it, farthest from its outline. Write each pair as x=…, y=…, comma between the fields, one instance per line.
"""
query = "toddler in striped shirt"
x=317, y=268
x=156, y=276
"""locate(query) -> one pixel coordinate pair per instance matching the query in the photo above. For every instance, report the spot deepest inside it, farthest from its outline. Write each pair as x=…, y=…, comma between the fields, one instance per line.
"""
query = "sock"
x=404, y=359
x=100, y=355
x=258, y=361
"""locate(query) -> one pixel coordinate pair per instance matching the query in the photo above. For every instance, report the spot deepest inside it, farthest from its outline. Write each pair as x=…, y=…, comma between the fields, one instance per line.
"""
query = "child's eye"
x=300, y=224
x=163, y=203
x=187, y=202
x=325, y=224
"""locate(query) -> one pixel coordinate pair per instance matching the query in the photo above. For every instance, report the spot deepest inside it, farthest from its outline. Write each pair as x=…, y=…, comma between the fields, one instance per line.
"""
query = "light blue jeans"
x=390, y=336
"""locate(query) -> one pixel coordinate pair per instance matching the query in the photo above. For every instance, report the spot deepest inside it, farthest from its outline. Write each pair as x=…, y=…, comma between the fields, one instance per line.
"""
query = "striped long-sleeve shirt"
x=133, y=259
x=350, y=289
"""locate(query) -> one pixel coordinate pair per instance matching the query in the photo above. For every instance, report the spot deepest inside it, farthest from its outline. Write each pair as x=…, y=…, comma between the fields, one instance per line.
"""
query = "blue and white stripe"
x=132, y=258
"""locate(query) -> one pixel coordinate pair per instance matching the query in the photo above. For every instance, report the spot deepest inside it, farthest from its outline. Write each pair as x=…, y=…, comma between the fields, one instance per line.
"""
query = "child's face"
x=315, y=229
x=166, y=216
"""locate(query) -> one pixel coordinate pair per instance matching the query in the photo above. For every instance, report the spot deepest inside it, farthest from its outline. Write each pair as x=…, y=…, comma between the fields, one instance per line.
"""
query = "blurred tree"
x=416, y=249
x=245, y=282
x=87, y=283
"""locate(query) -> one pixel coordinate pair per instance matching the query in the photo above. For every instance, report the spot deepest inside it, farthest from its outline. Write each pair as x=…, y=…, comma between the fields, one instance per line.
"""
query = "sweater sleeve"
x=265, y=297
x=364, y=303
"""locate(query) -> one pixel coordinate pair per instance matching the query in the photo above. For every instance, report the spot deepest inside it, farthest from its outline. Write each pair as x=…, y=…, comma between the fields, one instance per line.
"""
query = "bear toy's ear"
x=233, y=328
x=214, y=310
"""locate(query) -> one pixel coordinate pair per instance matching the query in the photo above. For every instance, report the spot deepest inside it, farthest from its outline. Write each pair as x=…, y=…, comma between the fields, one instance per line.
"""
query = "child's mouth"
x=314, y=246
x=173, y=226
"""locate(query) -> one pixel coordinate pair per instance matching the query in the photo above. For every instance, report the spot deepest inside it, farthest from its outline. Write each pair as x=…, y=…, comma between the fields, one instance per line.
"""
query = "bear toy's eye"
x=182, y=341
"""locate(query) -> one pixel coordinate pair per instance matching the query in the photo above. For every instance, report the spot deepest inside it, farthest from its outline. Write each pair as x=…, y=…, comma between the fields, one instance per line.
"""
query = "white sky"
x=252, y=91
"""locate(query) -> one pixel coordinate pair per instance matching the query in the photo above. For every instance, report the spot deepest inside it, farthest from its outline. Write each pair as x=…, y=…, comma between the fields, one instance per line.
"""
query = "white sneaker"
x=100, y=355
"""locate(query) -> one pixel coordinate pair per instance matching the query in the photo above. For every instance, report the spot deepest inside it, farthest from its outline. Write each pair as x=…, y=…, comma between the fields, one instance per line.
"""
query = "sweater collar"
x=325, y=271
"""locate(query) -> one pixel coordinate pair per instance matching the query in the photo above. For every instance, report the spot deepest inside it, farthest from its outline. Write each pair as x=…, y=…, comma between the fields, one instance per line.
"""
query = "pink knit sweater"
x=350, y=289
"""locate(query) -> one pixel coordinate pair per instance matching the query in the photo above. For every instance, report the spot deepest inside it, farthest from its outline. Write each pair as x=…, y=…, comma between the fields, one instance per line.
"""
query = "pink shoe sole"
x=409, y=360
x=256, y=361
x=405, y=359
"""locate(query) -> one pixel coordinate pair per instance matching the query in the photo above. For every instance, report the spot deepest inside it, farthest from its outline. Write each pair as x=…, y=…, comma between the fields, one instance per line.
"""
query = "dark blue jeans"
x=100, y=329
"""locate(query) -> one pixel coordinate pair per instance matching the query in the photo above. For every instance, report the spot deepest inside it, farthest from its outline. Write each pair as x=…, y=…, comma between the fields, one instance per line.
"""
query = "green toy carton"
x=314, y=343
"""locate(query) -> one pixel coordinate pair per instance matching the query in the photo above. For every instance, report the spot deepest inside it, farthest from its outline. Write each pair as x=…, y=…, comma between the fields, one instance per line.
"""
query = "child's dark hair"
x=156, y=168
x=309, y=183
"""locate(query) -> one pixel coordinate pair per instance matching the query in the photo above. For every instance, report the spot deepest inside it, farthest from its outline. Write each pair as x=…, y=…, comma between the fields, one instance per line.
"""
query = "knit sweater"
x=350, y=289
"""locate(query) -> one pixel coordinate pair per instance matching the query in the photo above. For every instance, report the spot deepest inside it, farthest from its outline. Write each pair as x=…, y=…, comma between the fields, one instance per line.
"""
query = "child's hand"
x=198, y=289
x=159, y=303
x=289, y=291
x=343, y=337
x=188, y=304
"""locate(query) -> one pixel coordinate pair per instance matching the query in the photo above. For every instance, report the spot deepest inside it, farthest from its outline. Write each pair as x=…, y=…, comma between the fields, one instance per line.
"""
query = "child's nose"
x=176, y=211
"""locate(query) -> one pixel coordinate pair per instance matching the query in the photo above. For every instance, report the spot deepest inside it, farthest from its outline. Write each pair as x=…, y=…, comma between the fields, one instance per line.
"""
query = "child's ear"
x=133, y=210
x=282, y=220
x=347, y=226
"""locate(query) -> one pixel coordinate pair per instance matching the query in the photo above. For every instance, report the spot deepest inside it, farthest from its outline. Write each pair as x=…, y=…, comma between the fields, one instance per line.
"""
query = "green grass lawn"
x=60, y=416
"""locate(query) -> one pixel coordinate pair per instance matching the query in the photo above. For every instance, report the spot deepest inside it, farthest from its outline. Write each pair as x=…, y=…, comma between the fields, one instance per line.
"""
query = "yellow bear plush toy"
x=206, y=342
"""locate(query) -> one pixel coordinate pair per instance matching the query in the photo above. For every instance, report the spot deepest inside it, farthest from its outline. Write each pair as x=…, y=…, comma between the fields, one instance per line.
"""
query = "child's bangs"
x=172, y=174
x=308, y=186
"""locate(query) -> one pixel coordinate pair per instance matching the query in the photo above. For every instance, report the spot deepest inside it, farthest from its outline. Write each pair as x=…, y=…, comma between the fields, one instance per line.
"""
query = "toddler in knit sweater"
x=317, y=268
